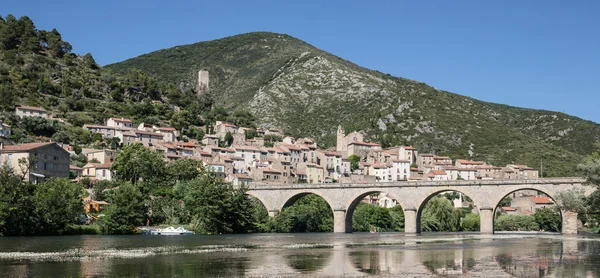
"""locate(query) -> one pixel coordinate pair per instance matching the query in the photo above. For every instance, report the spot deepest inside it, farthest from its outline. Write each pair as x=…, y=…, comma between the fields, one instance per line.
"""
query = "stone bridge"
x=413, y=195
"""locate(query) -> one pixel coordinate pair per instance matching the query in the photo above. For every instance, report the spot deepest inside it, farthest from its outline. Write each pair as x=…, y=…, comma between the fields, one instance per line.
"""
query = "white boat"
x=170, y=231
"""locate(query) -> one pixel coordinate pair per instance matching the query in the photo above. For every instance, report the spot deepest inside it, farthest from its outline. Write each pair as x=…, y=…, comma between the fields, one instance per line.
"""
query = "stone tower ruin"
x=202, y=81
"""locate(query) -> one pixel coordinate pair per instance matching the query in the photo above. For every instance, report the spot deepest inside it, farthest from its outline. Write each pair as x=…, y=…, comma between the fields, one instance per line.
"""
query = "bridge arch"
x=291, y=199
x=422, y=203
x=553, y=198
x=353, y=202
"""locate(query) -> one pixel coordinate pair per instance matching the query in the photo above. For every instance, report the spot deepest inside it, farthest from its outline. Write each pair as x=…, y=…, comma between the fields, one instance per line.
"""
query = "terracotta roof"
x=330, y=153
x=246, y=148
x=409, y=147
x=73, y=167
x=291, y=147
x=271, y=170
x=25, y=147
x=99, y=202
x=401, y=160
x=166, y=129
x=509, y=209
x=379, y=166
x=469, y=162
x=541, y=200
x=426, y=155
x=242, y=176
x=365, y=144
x=98, y=165
x=32, y=108
x=148, y=133
x=121, y=120
x=4, y=125
x=438, y=172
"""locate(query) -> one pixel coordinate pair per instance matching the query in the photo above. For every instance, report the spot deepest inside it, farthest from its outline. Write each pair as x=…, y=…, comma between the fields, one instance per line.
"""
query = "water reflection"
x=313, y=255
x=307, y=261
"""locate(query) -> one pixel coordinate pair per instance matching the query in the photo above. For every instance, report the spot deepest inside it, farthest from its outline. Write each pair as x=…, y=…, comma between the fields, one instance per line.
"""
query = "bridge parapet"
x=496, y=182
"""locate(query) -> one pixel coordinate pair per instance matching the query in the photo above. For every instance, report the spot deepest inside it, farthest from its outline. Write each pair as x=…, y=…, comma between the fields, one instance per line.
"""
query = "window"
x=104, y=173
x=54, y=167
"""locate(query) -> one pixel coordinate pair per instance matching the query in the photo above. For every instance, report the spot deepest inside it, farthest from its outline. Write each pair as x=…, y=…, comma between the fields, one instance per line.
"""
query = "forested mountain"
x=38, y=68
x=289, y=84
x=268, y=79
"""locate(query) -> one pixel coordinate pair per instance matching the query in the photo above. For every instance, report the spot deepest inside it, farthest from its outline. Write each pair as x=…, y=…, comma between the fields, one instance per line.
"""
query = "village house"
x=216, y=168
x=524, y=172
x=106, y=131
x=437, y=175
x=295, y=153
x=98, y=171
x=463, y=163
x=306, y=141
x=239, y=179
x=43, y=160
x=346, y=167
x=425, y=161
x=408, y=153
x=386, y=201
x=288, y=140
x=5, y=130
x=248, y=153
x=270, y=175
x=221, y=128
x=147, y=138
x=488, y=172
x=93, y=206
x=456, y=173
x=77, y=171
x=102, y=156
x=273, y=132
x=380, y=171
x=528, y=205
x=169, y=133
x=210, y=140
x=507, y=210
x=331, y=162
x=121, y=123
x=400, y=170
x=314, y=173
x=30, y=111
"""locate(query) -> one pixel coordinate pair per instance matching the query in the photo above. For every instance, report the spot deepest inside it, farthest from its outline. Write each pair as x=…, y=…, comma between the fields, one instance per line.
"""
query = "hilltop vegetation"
x=38, y=68
x=289, y=84
x=271, y=80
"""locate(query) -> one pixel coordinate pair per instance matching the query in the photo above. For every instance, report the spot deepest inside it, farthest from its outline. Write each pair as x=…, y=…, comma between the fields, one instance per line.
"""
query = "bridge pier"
x=339, y=221
x=410, y=221
x=569, y=222
x=486, y=219
x=273, y=213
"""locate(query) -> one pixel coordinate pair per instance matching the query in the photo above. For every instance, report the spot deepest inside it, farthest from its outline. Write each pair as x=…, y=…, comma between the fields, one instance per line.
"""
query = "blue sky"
x=531, y=53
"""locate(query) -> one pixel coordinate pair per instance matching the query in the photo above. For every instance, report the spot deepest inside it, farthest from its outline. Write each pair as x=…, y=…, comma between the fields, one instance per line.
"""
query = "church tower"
x=341, y=142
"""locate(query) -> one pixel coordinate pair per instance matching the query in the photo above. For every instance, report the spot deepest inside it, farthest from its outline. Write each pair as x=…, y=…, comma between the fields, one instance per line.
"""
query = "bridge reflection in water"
x=358, y=255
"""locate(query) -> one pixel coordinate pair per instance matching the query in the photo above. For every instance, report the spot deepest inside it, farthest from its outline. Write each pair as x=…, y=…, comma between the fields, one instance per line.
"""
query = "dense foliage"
x=308, y=214
x=38, y=68
x=43, y=209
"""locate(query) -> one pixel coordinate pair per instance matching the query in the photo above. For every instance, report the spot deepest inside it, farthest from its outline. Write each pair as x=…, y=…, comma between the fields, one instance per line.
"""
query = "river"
x=312, y=255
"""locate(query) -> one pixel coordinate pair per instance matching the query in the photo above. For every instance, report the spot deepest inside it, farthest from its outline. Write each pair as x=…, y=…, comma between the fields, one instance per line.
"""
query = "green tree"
x=470, y=223
x=439, y=215
x=354, y=160
x=184, y=169
x=310, y=213
x=228, y=140
x=125, y=212
x=57, y=204
x=368, y=216
x=135, y=162
x=16, y=205
x=548, y=219
x=516, y=223
x=216, y=207
x=250, y=133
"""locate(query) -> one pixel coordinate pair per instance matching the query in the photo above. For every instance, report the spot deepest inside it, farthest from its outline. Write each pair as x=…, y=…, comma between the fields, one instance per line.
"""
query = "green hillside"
x=289, y=84
x=268, y=79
